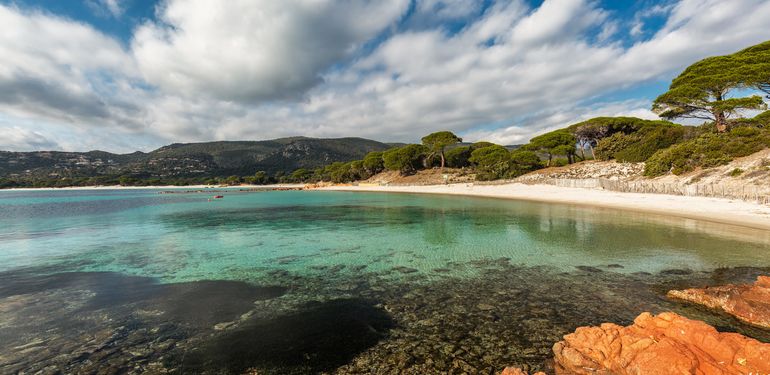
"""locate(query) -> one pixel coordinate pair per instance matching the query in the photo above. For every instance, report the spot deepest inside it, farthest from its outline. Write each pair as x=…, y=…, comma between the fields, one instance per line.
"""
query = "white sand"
x=718, y=210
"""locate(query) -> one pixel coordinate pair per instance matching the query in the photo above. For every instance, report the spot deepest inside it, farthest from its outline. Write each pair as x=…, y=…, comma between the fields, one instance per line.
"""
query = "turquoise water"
x=185, y=237
x=273, y=257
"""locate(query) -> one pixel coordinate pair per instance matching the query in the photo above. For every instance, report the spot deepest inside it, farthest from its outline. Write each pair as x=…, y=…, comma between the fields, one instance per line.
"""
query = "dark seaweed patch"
x=321, y=336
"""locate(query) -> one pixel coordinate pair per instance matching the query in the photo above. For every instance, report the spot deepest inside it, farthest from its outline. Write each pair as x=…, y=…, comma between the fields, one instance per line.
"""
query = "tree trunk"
x=721, y=123
x=719, y=116
x=593, y=155
x=442, y=161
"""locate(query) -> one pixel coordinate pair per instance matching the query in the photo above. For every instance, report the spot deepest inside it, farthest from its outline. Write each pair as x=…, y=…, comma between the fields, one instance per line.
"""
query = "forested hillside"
x=180, y=163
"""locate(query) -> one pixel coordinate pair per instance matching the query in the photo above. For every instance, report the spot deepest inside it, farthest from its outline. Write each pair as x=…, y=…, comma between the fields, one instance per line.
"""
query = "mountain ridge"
x=191, y=160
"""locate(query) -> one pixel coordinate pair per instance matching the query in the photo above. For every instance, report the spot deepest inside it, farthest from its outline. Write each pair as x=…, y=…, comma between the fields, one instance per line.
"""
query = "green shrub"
x=736, y=172
x=405, y=159
x=640, y=145
x=299, y=175
x=609, y=146
x=492, y=162
x=481, y=144
x=556, y=143
x=651, y=139
x=708, y=150
x=358, y=171
x=761, y=120
x=339, y=172
x=559, y=162
x=458, y=157
x=523, y=161
x=590, y=132
x=373, y=162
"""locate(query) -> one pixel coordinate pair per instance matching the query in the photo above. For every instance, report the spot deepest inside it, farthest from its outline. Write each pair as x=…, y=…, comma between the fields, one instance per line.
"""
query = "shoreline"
x=154, y=187
x=714, y=210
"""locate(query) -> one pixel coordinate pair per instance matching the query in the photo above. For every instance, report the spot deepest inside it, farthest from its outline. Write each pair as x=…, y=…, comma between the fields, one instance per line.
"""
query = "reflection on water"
x=305, y=282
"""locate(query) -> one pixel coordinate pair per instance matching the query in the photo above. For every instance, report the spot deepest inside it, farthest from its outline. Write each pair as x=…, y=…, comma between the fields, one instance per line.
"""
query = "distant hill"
x=191, y=159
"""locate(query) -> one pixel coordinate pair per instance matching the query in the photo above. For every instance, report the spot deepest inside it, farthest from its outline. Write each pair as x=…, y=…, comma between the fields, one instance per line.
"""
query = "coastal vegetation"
x=710, y=89
x=720, y=90
x=438, y=142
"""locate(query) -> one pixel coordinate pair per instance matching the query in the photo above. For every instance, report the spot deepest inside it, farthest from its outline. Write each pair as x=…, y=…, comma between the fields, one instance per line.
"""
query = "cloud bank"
x=394, y=71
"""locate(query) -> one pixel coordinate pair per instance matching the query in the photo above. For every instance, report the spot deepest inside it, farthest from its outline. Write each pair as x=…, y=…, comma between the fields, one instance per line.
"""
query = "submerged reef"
x=472, y=317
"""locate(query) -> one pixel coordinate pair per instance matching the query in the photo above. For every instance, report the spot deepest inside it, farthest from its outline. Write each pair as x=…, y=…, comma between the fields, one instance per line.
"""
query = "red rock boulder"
x=749, y=303
x=663, y=344
x=517, y=371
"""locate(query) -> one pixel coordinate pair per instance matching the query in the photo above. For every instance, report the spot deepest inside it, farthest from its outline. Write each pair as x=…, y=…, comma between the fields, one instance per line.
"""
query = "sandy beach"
x=718, y=210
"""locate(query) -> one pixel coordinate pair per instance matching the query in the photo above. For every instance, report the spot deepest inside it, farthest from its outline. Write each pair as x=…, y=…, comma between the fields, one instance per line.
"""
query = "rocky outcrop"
x=662, y=344
x=610, y=170
x=749, y=303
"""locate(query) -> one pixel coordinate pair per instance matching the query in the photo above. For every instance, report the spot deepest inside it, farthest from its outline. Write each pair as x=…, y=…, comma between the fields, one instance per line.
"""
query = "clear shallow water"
x=187, y=237
x=268, y=261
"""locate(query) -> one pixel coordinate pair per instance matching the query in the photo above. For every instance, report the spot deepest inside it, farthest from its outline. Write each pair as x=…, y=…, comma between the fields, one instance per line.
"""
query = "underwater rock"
x=675, y=272
x=404, y=270
x=748, y=302
x=517, y=371
x=662, y=344
x=588, y=269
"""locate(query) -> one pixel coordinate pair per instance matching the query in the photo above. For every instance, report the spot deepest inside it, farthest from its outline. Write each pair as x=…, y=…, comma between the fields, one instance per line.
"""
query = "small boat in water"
x=218, y=196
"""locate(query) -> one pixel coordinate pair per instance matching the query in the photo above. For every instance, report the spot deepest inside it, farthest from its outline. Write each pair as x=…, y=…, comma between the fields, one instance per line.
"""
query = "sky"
x=127, y=75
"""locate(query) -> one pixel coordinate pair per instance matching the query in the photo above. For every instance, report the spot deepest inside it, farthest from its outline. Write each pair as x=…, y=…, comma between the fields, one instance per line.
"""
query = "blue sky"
x=125, y=75
x=132, y=13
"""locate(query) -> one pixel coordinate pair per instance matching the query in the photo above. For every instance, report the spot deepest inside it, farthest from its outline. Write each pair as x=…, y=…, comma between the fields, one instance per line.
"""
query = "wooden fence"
x=752, y=193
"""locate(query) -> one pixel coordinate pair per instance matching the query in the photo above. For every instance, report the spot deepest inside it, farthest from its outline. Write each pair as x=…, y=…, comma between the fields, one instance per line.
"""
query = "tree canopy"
x=373, y=162
x=706, y=90
x=491, y=162
x=755, y=66
x=559, y=142
x=588, y=133
x=481, y=144
x=523, y=161
x=458, y=157
x=438, y=141
x=405, y=159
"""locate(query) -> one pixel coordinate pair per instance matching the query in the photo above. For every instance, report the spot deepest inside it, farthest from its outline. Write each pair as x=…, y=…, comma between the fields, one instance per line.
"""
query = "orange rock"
x=663, y=344
x=749, y=303
x=517, y=371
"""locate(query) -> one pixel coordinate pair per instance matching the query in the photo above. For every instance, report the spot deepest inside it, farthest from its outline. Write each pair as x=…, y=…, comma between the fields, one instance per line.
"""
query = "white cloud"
x=447, y=9
x=114, y=8
x=245, y=50
x=555, y=21
x=461, y=82
x=16, y=138
x=61, y=70
x=637, y=24
x=258, y=70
